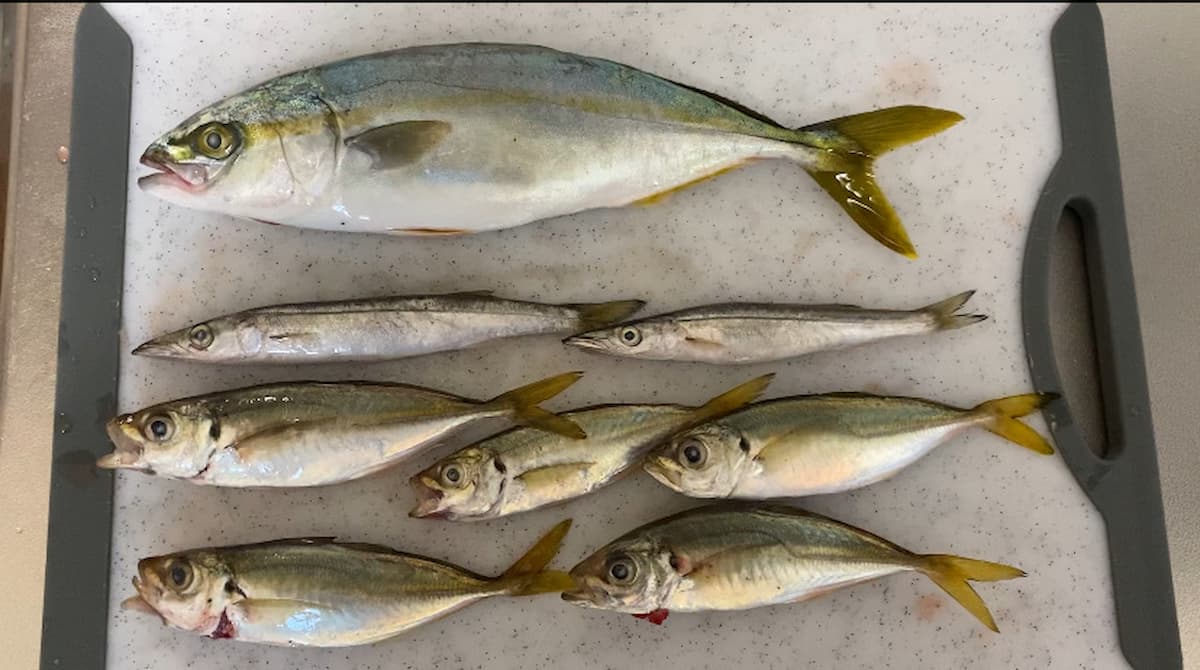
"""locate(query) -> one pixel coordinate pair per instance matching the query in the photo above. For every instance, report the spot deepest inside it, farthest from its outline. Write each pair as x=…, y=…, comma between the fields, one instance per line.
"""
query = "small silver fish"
x=756, y=333
x=375, y=329
x=810, y=445
x=452, y=139
x=310, y=433
x=736, y=556
x=315, y=592
x=525, y=469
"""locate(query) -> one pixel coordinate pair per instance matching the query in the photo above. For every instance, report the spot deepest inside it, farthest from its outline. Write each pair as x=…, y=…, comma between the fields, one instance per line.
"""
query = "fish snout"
x=127, y=453
x=429, y=499
x=161, y=347
x=665, y=470
x=586, y=341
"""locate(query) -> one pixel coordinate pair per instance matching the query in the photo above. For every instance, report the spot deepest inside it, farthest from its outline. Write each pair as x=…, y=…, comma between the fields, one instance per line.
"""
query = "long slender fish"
x=310, y=433
x=524, y=469
x=755, y=333
x=461, y=138
x=734, y=556
x=809, y=445
x=376, y=329
x=315, y=592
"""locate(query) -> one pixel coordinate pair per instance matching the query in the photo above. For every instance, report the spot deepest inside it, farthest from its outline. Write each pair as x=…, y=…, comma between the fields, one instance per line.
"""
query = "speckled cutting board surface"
x=764, y=233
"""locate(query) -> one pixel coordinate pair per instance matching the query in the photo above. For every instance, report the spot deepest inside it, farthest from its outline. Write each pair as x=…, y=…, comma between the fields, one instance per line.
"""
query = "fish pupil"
x=692, y=453
x=213, y=139
x=619, y=571
x=159, y=428
x=452, y=474
x=178, y=575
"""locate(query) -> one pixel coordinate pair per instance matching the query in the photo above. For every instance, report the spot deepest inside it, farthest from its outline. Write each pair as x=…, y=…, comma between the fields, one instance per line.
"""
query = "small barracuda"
x=756, y=333
x=522, y=470
x=809, y=445
x=461, y=138
x=738, y=556
x=315, y=592
x=298, y=434
x=375, y=329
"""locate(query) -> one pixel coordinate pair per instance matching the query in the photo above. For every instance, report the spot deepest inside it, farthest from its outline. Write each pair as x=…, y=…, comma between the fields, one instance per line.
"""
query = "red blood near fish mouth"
x=657, y=617
x=224, y=629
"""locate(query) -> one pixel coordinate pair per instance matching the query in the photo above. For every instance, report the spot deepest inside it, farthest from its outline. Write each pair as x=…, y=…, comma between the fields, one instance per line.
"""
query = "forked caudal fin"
x=952, y=573
x=599, y=315
x=855, y=141
x=522, y=402
x=528, y=575
x=944, y=315
x=1002, y=420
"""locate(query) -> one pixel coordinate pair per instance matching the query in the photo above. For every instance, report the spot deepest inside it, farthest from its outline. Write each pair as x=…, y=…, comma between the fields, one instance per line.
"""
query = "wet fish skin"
x=454, y=139
x=375, y=329
x=297, y=434
x=522, y=470
x=738, y=556
x=811, y=445
x=741, y=333
x=315, y=592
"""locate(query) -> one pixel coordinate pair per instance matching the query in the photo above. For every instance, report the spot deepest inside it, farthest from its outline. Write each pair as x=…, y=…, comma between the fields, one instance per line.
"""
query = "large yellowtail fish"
x=462, y=138
x=296, y=434
x=315, y=592
x=738, y=556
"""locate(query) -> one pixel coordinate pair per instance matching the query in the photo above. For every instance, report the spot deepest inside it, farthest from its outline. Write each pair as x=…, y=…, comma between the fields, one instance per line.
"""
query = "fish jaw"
x=167, y=346
x=127, y=453
x=170, y=174
x=429, y=500
x=665, y=470
x=588, y=341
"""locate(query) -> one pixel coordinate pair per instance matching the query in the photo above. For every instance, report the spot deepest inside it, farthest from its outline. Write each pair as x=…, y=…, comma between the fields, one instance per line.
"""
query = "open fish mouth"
x=585, y=341
x=429, y=500
x=662, y=469
x=183, y=176
x=126, y=453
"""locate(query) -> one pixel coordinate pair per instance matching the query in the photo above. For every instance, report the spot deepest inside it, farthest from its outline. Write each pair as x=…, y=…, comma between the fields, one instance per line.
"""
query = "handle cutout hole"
x=1072, y=332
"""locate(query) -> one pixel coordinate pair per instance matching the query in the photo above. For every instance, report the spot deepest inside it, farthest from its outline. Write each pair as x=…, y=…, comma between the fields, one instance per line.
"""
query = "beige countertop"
x=1152, y=57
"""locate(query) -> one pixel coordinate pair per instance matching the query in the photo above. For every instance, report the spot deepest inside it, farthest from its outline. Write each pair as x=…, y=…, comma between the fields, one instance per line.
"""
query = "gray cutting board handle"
x=75, y=604
x=1124, y=485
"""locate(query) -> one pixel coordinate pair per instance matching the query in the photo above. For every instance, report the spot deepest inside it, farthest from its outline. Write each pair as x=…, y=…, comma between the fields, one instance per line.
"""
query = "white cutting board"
x=764, y=233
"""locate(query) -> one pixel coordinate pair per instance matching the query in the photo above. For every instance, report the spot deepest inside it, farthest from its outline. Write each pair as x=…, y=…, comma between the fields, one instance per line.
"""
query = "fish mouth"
x=161, y=347
x=429, y=500
x=184, y=176
x=661, y=468
x=585, y=341
x=126, y=454
x=138, y=602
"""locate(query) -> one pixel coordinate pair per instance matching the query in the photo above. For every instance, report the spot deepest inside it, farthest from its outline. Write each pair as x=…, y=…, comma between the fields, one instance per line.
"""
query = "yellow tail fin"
x=857, y=140
x=945, y=316
x=1002, y=419
x=522, y=404
x=528, y=575
x=952, y=573
x=599, y=315
x=733, y=399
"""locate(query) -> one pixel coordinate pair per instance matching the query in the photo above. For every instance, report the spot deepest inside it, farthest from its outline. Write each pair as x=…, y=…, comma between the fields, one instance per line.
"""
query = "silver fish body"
x=810, y=445
x=308, y=433
x=734, y=556
x=739, y=333
x=320, y=593
x=374, y=329
x=461, y=138
x=522, y=470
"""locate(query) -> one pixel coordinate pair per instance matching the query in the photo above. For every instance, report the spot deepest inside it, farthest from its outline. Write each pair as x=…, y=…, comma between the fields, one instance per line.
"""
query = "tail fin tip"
x=944, y=312
x=1003, y=419
x=952, y=574
x=522, y=402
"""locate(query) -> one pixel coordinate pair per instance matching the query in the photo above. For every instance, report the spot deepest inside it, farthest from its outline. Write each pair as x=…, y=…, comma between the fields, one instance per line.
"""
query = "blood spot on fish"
x=680, y=564
x=927, y=607
x=224, y=629
x=657, y=617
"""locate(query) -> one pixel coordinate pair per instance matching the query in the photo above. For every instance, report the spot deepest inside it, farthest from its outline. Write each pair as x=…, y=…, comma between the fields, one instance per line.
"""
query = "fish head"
x=221, y=339
x=703, y=462
x=630, y=575
x=463, y=485
x=187, y=590
x=261, y=154
x=649, y=339
x=173, y=439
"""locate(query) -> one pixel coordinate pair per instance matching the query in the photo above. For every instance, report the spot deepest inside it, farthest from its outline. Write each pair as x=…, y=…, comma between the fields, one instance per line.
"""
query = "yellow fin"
x=528, y=575
x=952, y=573
x=552, y=473
x=601, y=314
x=734, y=399
x=944, y=312
x=855, y=142
x=398, y=144
x=1003, y=419
x=656, y=198
x=522, y=403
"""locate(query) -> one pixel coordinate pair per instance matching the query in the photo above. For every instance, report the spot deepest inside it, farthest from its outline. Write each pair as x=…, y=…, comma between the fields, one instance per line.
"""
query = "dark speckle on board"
x=763, y=233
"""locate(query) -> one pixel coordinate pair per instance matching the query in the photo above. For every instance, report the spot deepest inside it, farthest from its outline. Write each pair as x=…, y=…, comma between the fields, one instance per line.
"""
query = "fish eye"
x=692, y=453
x=159, y=428
x=216, y=140
x=451, y=475
x=180, y=574
x=200, y=337
x=621, y=570
x=631, y=336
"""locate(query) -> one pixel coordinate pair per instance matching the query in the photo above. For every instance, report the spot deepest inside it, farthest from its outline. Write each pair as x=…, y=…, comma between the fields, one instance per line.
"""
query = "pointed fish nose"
x=584, y=341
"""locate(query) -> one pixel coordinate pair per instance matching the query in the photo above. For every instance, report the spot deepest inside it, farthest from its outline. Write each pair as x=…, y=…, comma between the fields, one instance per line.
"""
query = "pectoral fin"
x=399, y=144
x=551, y=474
